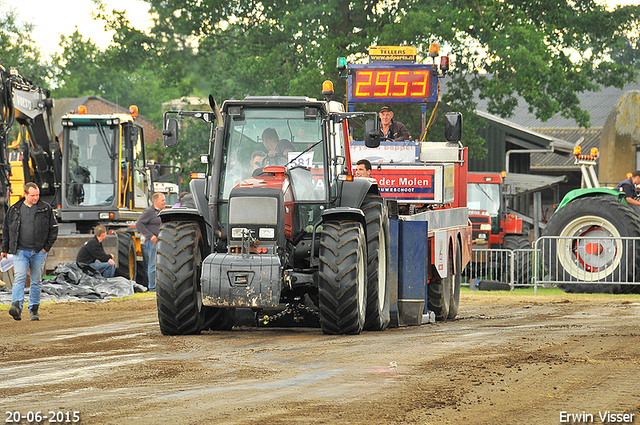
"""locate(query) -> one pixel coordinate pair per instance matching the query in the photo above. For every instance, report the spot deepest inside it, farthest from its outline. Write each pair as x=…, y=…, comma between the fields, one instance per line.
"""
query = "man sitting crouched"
x=93, y=250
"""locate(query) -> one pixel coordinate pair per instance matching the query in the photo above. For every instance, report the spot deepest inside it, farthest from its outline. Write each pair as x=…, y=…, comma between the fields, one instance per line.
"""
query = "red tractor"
x=494, y=228
x=294, y=234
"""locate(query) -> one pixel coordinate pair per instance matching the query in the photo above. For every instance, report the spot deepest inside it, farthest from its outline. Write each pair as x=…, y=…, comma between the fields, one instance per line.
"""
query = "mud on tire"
x=179, y=298
x=573, y=259
x=377, y=317
x=342, y=285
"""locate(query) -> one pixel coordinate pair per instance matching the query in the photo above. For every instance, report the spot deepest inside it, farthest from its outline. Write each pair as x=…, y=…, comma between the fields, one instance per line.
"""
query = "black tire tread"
x=454, y=304
x=378, y=316
x=126, y=253
x=337, y=288
x=439, y=296
x=178, y=310
x=623, y=217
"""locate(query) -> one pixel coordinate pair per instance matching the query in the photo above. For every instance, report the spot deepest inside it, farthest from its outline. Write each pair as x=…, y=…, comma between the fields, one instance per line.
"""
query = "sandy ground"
x=504, y=360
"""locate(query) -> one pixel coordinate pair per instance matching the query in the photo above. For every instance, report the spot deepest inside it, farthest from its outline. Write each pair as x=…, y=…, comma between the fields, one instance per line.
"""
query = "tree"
x=545, y=52
x=18, y=50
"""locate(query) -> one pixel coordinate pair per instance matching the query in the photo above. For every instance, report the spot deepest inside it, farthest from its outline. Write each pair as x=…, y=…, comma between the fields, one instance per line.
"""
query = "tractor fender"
x=352, y=193
x=344, y=213
x=197, y=188
x=596, y=191
x=189, y=214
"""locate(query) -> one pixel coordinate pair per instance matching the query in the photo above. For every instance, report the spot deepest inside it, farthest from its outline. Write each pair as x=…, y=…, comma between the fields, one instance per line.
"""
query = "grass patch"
x=553, y=293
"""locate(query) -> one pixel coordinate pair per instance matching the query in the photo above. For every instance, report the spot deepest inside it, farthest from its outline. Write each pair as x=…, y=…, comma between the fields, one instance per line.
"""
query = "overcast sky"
x=53, y=18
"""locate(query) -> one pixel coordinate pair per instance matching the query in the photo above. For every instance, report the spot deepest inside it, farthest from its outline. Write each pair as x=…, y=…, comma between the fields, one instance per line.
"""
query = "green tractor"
x=592, y=245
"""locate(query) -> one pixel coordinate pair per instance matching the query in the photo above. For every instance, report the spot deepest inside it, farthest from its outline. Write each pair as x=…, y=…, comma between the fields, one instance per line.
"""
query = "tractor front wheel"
x=179, y=297
x=342, y=287
x=378, y=317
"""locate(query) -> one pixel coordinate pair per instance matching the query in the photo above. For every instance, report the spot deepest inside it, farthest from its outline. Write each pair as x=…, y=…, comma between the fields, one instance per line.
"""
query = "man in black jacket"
x=628, y=186
x=93, y=250
x=30, y=230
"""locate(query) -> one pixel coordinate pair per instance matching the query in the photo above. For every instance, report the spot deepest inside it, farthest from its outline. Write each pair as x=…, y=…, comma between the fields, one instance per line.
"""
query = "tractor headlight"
x=266, y=233
x=236, y=232
x=486, y=227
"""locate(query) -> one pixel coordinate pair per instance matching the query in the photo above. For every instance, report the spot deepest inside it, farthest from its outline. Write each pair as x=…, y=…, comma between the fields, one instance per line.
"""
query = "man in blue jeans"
x=30, y=230
x=148, y=225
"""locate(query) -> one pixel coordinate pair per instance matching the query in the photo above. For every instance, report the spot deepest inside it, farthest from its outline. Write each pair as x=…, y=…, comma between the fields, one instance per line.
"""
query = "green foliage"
x=543, y=52
x=18, y=50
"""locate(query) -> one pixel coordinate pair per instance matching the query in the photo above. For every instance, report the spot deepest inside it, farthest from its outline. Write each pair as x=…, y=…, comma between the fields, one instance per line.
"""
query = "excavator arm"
x=31, y=107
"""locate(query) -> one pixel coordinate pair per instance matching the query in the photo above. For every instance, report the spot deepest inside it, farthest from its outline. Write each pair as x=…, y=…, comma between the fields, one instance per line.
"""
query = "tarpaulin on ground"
x=83, y=283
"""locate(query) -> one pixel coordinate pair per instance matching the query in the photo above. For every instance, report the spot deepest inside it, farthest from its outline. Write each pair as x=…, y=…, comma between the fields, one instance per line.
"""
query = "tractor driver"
x=390, y=129
x=274, y=145
x=628, y=186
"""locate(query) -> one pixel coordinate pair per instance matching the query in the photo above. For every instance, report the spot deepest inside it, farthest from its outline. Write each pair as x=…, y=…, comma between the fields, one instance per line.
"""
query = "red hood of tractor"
x=275, y=177
x=272, y=177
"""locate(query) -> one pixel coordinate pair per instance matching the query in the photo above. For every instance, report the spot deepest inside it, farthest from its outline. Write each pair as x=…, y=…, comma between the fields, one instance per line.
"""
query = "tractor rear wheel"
x=126, y=256
x=576, y=258
x=179, y=297
x=377, y=317
x=342, y=287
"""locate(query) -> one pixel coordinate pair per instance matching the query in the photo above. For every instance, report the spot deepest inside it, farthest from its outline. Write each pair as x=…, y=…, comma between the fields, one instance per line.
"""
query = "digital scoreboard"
x=392, y=83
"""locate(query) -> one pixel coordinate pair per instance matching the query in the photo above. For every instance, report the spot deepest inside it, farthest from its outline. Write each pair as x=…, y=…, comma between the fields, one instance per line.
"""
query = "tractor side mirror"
x=372, y=133
x=170, y=133
x=453, y=126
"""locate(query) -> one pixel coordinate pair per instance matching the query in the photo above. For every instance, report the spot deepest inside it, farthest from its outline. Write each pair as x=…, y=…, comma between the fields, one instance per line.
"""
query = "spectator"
x=392, y=130
x=628, y=186
x=180, y=199
x=363, y=168
x=93, y=250
x=30, y=230
x=148, y=225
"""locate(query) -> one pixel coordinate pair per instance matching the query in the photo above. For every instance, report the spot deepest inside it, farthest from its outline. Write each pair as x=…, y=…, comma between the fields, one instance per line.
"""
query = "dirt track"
x=506, y=360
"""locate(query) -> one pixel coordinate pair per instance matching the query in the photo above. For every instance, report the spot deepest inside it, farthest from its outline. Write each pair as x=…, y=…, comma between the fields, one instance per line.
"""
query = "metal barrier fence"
x=559, y=261
x=572, y=260
x=495, y=268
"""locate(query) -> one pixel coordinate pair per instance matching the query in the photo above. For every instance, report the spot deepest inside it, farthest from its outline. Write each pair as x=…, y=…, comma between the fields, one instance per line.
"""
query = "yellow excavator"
x=95, y=175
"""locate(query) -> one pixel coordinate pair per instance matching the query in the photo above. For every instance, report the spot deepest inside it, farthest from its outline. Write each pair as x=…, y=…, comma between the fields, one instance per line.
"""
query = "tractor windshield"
x=268, y=136
x=484, y=197
x=89, y=169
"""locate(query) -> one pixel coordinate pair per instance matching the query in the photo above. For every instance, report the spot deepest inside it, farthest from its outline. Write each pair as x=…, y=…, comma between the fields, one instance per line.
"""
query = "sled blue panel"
x=392, y=273
x=413, y=269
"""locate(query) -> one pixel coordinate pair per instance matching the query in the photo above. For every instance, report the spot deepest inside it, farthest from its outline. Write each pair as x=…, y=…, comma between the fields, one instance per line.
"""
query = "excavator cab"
x=103, y=170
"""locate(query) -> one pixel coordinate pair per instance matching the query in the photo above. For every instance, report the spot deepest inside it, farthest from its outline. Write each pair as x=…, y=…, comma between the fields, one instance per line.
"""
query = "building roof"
x=520, y=184
x=585, y=138
x=598, y=104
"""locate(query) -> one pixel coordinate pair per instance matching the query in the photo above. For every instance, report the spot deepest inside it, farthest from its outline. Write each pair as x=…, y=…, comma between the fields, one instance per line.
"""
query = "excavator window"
x=89, y=169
